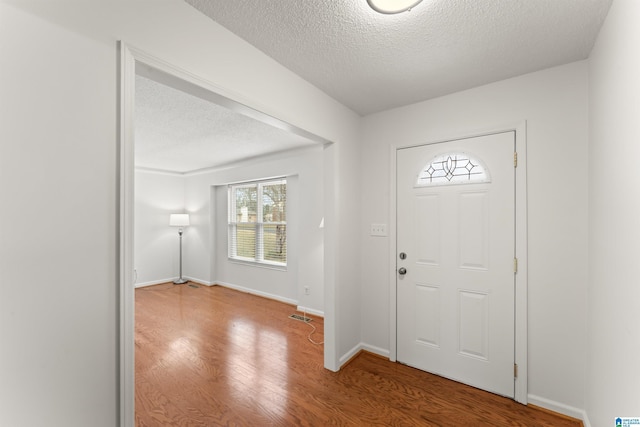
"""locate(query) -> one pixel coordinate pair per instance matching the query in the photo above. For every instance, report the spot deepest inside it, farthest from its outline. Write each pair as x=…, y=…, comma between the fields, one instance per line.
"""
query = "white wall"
x=613, y=370
x=58, y=300
x=59, y=160
x=156, y=257
x=209, y=262
x=554, y=104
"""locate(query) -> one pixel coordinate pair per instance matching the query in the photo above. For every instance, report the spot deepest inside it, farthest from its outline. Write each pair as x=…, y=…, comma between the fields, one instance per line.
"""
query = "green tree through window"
x=258, y=222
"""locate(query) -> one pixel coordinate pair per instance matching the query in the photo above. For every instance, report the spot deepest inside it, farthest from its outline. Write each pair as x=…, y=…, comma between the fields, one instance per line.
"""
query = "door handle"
x=402, y=271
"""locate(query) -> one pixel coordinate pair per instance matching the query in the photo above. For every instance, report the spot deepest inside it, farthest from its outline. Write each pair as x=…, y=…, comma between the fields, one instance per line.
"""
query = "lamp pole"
x=180, y=280
x=179, y=220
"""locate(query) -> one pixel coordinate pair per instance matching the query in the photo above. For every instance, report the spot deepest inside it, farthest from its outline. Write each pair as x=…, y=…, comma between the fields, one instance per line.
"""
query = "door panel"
x=473, y=230
x=426, y=324
x=427, y=223
x=474, y=316
x=455, y=312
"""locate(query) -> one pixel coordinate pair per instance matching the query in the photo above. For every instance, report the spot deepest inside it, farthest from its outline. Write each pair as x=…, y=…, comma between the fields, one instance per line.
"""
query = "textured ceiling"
x=178, y=132
x=368, y=61
x=372, y=62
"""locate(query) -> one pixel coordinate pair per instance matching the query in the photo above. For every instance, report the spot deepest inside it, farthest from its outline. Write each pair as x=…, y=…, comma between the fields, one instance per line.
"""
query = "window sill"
x=267, y=265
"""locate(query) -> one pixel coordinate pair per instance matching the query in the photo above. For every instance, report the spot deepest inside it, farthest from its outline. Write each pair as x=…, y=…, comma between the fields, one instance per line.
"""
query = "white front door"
x=455, y=260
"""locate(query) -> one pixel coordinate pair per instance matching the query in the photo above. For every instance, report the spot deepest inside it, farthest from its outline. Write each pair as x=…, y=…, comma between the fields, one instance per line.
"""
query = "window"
x=452, y=168
x=258, y=222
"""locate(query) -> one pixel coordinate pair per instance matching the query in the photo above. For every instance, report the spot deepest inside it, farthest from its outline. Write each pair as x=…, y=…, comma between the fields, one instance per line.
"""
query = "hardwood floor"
x=211, y=356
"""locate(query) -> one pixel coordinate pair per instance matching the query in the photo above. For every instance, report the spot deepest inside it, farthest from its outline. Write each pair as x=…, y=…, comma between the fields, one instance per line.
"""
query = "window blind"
x=258, y=221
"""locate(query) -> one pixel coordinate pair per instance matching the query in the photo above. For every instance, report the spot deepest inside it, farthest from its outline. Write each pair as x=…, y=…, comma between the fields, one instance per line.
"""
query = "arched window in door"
x=453, y=168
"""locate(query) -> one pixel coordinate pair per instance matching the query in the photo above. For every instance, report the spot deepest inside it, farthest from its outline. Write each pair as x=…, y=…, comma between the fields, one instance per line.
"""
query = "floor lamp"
x=179, y=220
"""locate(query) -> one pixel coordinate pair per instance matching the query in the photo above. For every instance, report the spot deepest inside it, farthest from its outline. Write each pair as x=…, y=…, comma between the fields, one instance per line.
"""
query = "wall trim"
x=251, y=160
x=158, y=171
x=170, y=280
x=346, y=358
x=126, y=294
x=375, y=350
x=154, y=282
x=199, y=281
x=559, y=408
x=353, y=353
x=300, y=308
x=308, y=310
x=256, y=292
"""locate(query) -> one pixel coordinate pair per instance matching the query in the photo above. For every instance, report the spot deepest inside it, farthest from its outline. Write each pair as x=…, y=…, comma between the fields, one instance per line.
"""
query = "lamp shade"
x=179, y=220
x=392, y=6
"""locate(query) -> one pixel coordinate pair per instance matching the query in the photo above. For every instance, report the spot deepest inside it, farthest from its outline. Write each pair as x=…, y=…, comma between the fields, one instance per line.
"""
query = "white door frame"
x=129, y=56
x=520, y=353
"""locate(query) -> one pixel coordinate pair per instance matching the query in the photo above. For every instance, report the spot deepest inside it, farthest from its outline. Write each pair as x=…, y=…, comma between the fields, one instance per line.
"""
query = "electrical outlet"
x=379, y=230
x=306, y=290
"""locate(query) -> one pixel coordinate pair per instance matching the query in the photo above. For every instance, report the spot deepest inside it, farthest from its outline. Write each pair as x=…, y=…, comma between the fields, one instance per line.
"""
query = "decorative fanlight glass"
x=452, y=168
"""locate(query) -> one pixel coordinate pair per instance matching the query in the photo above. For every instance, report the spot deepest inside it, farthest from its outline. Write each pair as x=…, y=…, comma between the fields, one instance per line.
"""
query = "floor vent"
x=300, y=318
x=194, y=286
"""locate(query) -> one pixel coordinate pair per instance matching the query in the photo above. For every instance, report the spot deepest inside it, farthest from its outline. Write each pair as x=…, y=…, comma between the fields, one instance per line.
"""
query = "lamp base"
x=180, y=281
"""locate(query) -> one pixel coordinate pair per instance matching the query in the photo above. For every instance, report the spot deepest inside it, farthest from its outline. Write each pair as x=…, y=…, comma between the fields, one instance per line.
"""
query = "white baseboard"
x=259, y=293
x=560, y=408
x=308, y=310
x=375, y=350
x=349, y=355
x=199, y=281
x=363, y=347
x=154, y=282
x=170, y=280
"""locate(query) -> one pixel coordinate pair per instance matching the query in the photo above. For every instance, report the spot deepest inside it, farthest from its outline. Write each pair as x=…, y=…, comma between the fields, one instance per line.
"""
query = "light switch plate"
x=379, y=230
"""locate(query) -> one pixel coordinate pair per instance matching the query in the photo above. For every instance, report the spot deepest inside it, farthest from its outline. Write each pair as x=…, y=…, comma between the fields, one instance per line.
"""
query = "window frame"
x=259, y=223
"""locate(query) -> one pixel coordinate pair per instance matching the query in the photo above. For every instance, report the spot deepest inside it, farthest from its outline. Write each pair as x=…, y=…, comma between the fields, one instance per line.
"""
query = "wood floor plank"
x=212, y=356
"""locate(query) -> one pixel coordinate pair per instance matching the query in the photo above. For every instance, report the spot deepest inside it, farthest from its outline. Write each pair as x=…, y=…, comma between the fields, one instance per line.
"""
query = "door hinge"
x=515, y=159
x=515, y=265
x=515, y=370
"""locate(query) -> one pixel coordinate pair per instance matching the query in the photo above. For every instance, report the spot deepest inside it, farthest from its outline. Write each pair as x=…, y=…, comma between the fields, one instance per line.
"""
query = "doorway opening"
x=133, y=65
